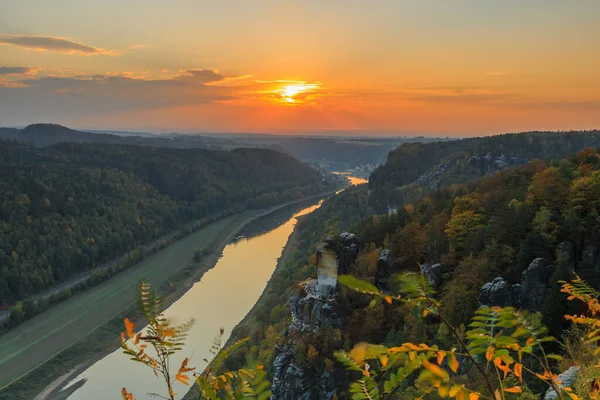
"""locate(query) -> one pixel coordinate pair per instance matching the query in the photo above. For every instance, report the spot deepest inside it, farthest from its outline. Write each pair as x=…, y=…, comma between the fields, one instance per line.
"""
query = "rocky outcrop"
x=433, y=274
x=530, y=293
x=289, y=381
x=567, y=379
x=480, y=166
x=385, y=268
x=500, y=293
x=349, y=246
x=488, y=164
x=534, y=284
x=313, y=307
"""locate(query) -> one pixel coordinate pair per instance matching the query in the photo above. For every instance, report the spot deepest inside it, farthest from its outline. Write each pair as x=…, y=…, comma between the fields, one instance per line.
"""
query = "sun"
x=292, y=90
x=296, y=93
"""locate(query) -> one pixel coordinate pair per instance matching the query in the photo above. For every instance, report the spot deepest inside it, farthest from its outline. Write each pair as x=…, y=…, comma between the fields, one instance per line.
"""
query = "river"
x=222, y=298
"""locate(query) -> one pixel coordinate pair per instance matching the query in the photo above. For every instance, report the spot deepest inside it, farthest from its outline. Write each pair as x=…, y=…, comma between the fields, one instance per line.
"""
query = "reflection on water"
x=222, y=298
x=354, y=180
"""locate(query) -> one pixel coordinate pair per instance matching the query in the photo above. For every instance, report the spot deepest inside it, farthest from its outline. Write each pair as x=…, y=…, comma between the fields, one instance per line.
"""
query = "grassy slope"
x=38, y=339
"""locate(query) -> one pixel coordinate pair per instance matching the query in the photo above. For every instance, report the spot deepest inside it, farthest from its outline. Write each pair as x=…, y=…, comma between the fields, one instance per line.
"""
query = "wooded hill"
x=415, y=168
x=68, y=207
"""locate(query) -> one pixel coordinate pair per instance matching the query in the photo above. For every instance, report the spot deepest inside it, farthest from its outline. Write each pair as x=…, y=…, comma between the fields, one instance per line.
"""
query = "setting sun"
x=297, y=92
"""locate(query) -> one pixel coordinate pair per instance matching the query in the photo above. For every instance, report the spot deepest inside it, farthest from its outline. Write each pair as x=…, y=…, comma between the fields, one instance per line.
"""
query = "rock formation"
x=313, y=307
x=433, y=274
x=385, y=269
x=348, y=252
x=530, y=293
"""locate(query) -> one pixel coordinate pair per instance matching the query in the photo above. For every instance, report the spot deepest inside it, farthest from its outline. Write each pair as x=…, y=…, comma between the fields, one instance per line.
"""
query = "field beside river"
x=39, y=339
x=87, y=326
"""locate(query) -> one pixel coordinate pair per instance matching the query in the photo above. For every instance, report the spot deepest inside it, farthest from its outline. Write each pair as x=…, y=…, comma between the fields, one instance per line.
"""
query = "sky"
x=456, y=67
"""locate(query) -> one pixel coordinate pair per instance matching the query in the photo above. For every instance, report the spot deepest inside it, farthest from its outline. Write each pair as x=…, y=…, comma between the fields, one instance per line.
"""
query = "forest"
x=415, y=168
x=69, y=207
x=533, y=227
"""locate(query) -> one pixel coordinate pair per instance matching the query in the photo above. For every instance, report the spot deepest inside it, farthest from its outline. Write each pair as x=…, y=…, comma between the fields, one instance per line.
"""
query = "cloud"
x=17, y=71
x=202, y=75
x=53, y=43
x=110, y=92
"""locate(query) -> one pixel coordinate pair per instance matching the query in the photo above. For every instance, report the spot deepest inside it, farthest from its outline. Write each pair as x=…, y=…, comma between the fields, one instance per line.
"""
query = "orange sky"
x=459, y=67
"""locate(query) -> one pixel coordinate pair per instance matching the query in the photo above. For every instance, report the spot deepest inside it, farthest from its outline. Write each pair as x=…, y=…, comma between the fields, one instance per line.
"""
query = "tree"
x=166, y=340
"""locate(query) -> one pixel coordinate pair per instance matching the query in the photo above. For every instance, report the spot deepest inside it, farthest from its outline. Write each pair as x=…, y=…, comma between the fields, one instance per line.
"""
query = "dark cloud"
x=17, y=71
x=95, y=94
x=204, y=75
x=53, y=43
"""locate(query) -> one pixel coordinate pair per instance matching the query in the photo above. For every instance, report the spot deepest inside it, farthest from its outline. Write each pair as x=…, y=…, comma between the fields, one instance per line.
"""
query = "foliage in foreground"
x=160, y=340
x=503, y=347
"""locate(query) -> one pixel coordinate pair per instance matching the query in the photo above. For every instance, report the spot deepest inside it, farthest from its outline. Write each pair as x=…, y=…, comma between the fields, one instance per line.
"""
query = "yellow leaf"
x=440, y=357
x=384, y=360
x=473, y=396
x=359, y=352
x=453, y=363
x=514, y=389
x=497, y=395
x=183, y=379
x=529, y=341
x=443, y=391
x=434, y=369
x=489, y=353
x=455, y=389
x=519, y=371
x=129, y=327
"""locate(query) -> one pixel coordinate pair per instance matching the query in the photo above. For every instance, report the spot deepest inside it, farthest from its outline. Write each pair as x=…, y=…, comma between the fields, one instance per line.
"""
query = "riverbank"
x=99, y=340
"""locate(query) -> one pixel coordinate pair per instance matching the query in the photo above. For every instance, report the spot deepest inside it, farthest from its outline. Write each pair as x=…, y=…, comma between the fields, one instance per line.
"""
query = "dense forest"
x=508, y=239
x=414, y=168
x=68, y=207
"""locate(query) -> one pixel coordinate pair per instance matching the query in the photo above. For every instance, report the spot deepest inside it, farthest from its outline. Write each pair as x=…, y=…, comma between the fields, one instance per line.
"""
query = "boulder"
x=433, y=274
x=534, y=284
x=567, y=379
x=496, y=293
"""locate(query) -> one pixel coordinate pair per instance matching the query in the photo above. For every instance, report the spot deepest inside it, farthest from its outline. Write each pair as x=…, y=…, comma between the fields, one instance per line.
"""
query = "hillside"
x=503, y=240
x=68, y=207
x=414, y=168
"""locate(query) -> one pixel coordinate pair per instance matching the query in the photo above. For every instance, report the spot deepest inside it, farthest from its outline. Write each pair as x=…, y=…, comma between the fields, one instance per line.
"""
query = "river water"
x=222, y=298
